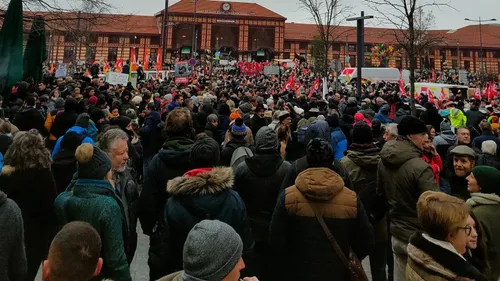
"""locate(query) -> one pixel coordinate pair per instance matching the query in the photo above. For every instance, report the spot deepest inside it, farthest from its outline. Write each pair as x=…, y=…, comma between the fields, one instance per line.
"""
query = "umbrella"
x=36, y=51
x=11, y=47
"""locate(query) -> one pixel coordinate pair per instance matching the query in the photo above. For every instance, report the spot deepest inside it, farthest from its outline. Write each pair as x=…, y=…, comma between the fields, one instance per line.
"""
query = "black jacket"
x=432, y=118
x=488, y=160
x=231, y=146
x=213, y=132
x=63, y=122
x=30, y=118
x=63, y=169
x=474, y=116
x=149, y=134
x=256, y=123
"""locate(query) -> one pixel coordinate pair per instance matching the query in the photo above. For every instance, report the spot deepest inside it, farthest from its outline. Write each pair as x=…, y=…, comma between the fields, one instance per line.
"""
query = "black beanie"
x=83, y=120
x=97, y=114
x=333, y=121
x=362, y=133
x=93, y=163
x=205, y=153
x=410, y=125
x=120, y=121
x=319, y=153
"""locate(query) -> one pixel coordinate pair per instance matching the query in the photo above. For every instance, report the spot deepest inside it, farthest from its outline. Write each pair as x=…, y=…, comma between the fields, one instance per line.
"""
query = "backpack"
x=239, y=155
x=301, y=134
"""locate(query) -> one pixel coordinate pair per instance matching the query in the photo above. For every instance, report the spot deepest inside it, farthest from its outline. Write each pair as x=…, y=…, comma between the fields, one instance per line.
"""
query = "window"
x=496, y=54
x=112, y=54
x=467, y=64
x=153, y=53
x=367, y=49
x=351, y=48
x=155, y=40
x=303, y=45
x=69, y=54
x=92, y=39
x=353, y=61
x=69, y=38
x=442, y=53
x=466, y=53
x=368, y=61
x=90, y=54
x=336, y=47
x=134, y=40
x=454, y=52
x=454, y=64
x=336, y=56
x=287, y=45
x=113, y=39
x=286, y=56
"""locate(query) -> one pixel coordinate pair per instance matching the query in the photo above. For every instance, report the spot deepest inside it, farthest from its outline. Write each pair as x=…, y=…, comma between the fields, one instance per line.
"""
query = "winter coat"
x=96, y=202
x=447, y=136
x=486, y=136
x=63, y=169
x=258, y=181
x=432, y=118
x=197, y=195
x=12, y=256
x=399, y=115
x=383, y=118
x=457, y=118
x=172, y=161
x=34, y=192
x=173, y=105
x=430, y=262
x=488, y=160
x=274, y=125
x=49, y=122
x=303, y=250
x=486, y=207
x=362, y=167
x=62, y=123
x=77, y=129
x=149, y=132
x=213, y=132
x=339, y=143
x=223, y=125
x=231, y=146
x=30, y=118
x=474, y=116
x=256, y=123
x=403, y=176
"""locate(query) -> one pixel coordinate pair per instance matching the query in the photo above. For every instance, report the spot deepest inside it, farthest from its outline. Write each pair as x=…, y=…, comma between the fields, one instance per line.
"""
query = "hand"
x=250, y=279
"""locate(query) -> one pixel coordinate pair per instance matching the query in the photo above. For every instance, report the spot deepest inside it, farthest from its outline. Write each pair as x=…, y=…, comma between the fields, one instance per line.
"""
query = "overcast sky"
x=446, y=18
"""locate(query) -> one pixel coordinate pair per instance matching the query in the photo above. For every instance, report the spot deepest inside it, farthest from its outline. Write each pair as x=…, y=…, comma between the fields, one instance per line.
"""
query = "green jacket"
x=95, y=202
x=403, y=176
x=486, y=207
x=457, y=118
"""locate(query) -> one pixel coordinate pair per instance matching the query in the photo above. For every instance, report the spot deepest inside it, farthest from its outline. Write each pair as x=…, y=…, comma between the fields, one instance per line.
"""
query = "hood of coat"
x=8, y=170
x=264, y=165
x=367, y=158
x=3, y=198
x=401, y=112
x=319, y=184
x=483, y=199
x=318, y=129
x=210, y=182
x=397, y=152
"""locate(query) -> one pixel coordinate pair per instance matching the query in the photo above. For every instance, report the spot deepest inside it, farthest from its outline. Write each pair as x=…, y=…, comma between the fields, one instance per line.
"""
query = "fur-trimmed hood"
x=202, y=183
x=8, y=170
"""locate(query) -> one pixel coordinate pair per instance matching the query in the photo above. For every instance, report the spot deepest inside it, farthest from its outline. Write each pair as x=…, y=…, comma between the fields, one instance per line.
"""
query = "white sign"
x=463, y=76
x=272, y=70
x=61, y=71
x=115, y=78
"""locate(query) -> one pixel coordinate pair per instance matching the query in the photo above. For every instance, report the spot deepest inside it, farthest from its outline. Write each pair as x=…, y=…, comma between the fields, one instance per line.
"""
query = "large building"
x=248, y=31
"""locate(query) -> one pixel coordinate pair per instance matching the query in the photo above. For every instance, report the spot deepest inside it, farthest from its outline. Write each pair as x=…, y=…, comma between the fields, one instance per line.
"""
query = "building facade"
x=248, y=31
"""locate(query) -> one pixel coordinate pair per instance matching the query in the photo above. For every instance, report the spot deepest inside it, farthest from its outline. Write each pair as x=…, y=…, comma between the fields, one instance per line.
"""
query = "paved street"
x=140, y=270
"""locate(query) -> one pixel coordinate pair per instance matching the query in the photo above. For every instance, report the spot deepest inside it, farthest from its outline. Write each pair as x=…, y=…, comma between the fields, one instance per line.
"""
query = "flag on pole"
x=315, y=87
x=434, y=75
x=52, y=68
x=493, y=91
x=402, y=84
x=290, y=84
x=146, y=59
x=158, y=62
x=119, y=65
x=133, y=60
x=106, y=66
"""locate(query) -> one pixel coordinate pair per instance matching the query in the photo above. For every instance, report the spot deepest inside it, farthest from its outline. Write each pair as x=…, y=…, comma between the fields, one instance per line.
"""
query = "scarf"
x=483, y=199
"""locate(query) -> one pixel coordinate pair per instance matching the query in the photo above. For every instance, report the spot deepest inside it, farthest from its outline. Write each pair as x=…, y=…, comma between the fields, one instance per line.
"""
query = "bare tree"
x=327, y=15
x=412, y=21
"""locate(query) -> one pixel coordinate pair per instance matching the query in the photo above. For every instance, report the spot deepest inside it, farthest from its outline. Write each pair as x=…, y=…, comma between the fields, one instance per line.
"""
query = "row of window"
x=90, y=54
x=112, y=39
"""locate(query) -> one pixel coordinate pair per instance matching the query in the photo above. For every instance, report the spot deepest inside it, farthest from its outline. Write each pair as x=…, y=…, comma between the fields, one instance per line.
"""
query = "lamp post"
x=458, y=57
x=164, y=39
x=193, y=51
x=480, y=21
x=360, y=48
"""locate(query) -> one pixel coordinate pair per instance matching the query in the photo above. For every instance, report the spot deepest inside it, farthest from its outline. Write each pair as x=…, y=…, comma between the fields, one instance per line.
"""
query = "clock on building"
x=226, y=7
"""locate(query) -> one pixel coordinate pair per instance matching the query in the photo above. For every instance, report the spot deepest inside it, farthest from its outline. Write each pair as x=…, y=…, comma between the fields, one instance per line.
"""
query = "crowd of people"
x=238, y=176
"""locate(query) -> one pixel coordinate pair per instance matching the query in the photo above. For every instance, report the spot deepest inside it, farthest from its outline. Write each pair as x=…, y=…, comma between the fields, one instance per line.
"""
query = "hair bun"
x=84, y=153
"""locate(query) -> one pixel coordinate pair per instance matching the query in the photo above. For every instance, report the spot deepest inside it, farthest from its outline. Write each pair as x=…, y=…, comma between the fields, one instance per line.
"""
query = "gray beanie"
x=83, y=120
x=59, y=103
x=266, y=140
x=211, y=251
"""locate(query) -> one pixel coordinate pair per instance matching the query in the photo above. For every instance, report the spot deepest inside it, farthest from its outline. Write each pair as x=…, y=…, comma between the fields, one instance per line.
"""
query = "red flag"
x=486, y=91
x=402, y=84
x=133, y=60
x=477, y=94
x=106, y=66
x=290, y=84
x=493, y=91
x=119, y=65
x=433, y=75
x=315, y=87
x=52, y=68
x=443, y=95
x=146, y=59
x=159, y=63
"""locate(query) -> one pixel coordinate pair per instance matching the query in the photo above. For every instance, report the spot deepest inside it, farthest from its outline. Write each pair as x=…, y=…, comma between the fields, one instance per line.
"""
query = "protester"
x=30, y=118
x=81, y=127
x=487, y=134
x=403, y=176
x=437, y=253
x=391, y=132
x=148, y=134
x=445, y=139
x=212, y=128
x=238, y=132
x=92, y=199
x=476, y=246
x=432, y=117
x=489, y=155
x=464, y=160
x=485, y=204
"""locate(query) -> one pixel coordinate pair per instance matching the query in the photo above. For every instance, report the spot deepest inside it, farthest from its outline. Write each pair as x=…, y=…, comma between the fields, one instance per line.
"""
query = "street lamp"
x=193, y=53
x=480, y=21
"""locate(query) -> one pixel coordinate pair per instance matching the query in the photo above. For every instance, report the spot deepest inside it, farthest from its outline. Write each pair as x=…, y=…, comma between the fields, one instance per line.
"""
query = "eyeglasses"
x=468, y=229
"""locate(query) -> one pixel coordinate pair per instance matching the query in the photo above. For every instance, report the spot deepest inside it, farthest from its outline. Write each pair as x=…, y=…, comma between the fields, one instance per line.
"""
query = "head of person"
x=73, y=254
x=213, y=120
x=266, y=141
x=92, y=163
x=362, y=134
x=463, y=136
x=150, y=107
x=179, y=99
x=431, y=132
x=205, y=152
x=285, y=118
x=238, y=128
x=333, y=121
x=27, y=151
x=464, y=160
x=414, y=130
x=444, y=217
x=224, y=110
x=390, y=132
x=484, y=179
x=213, y=252
x=179, y=124
x=70, y=142
x=485, y=126
x=189, y=104
x=30, y=101
x=114, y=143
x=260, y=110
x=83, y=120
x=489, y=147
x=320, y=153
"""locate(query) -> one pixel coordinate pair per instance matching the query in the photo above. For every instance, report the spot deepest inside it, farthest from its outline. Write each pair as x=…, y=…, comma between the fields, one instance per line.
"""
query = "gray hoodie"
x=13, y=265
x=447, y=137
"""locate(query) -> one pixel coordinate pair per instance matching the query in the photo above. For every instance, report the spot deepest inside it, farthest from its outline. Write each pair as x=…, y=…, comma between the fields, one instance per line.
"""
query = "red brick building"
x=248, y=31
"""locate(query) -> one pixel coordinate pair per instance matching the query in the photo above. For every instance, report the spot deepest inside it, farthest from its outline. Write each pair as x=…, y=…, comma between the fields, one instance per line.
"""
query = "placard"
x=115, y=78
x=61, y=71
x=272, y=70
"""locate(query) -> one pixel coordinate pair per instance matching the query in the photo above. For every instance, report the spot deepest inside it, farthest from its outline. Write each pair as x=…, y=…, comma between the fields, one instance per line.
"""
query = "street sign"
x=192, y=62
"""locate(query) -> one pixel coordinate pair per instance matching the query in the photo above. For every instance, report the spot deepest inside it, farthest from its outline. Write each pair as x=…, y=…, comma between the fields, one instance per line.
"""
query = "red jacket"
x=435, y=163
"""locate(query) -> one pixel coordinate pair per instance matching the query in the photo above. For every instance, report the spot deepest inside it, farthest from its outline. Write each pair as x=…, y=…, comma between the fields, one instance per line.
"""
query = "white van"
x=375, y=74
x=440, y=91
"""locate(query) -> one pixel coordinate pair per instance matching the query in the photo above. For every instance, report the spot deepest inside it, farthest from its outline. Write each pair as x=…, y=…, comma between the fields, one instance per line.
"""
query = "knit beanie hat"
x=245, y=107
x=319, y=153
x=266, y=140
x=59, y=103
x=83, y=120
x=120, y=121
x=205, y=152
x=487, y=178
x=283, y=115
x=362, y=133
x=238, y=128
x=93, y=100
x=211, y=251
x=97, y=114
x=333, y=121
x=93, y=163
x=411, y=125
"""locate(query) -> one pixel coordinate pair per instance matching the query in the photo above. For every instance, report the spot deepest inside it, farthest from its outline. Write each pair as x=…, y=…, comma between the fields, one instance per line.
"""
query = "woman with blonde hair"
x=437, y=253
x=26, y=178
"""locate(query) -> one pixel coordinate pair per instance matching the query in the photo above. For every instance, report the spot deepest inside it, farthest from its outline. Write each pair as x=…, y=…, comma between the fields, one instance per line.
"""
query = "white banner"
x=115, y=78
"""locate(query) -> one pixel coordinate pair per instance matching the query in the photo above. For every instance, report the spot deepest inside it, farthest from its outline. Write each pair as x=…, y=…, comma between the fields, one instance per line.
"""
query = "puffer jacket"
x=76, y=129
x=198, y=195
x=303, y=250
x=486, y=207
x=403, y=176
x=430, y=262
x=457, y=118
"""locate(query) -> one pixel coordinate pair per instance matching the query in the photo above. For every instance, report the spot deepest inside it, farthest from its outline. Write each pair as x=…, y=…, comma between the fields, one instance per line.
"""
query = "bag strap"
x=330, y=237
